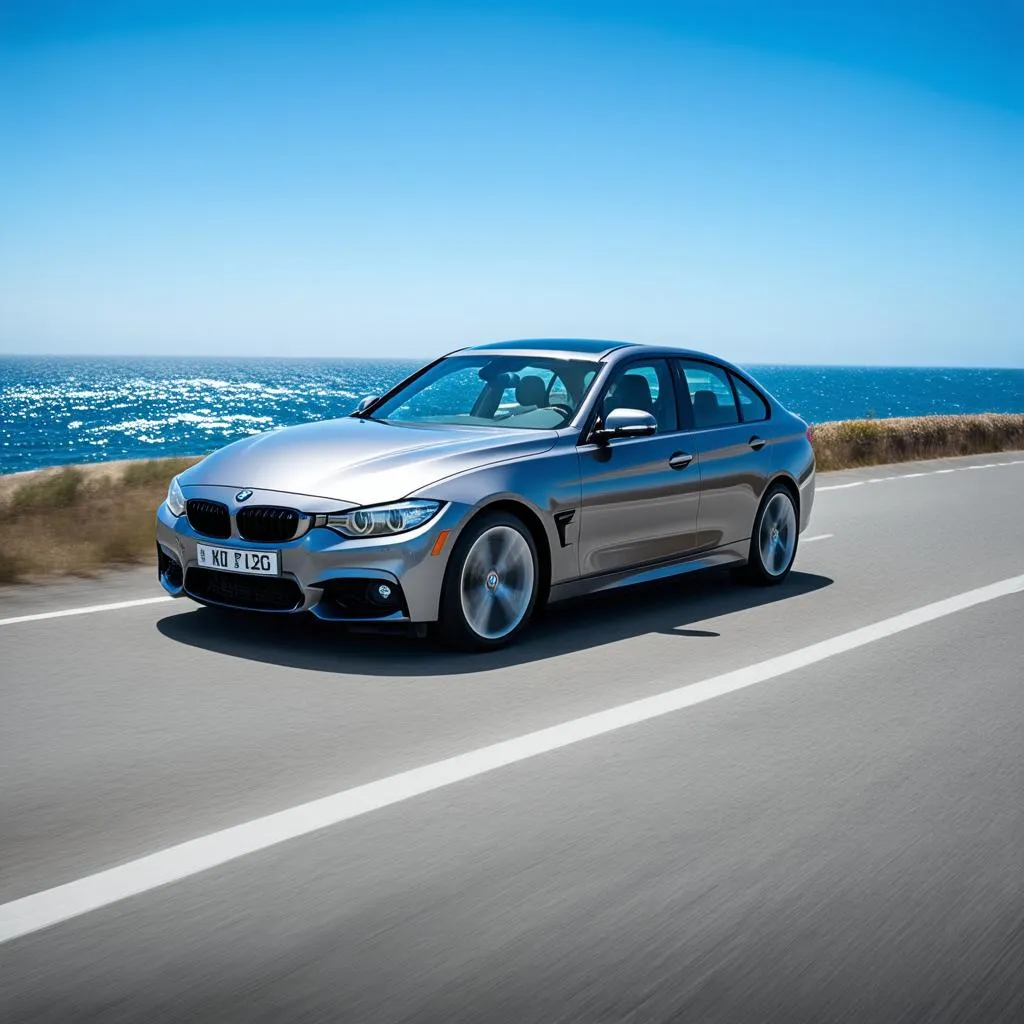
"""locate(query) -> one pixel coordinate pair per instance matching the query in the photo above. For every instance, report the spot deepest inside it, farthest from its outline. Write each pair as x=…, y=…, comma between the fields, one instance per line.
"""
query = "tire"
x=773, y=540
x=490, y=587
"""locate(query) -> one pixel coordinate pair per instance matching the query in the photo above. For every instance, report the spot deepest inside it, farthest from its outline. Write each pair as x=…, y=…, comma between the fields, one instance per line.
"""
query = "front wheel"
x=773, y=539
x=490, y=588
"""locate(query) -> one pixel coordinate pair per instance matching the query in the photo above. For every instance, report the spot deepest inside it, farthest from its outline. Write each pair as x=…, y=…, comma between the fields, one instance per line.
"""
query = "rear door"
x=639, y=495
x=734, y=448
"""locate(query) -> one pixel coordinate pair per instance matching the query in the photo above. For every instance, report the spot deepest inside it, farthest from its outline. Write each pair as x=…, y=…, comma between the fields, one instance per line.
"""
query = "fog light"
x=382, y=595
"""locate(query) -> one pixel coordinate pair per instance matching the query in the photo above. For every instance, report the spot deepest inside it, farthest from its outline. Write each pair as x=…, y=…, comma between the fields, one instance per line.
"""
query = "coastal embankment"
x=80, y=520
x=847, y=444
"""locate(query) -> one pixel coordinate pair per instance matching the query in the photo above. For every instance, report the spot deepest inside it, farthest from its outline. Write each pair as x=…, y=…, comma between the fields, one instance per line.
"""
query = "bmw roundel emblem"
x=243, y=495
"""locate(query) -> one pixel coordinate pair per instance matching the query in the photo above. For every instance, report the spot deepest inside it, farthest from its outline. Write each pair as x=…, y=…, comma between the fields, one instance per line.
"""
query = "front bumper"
x=325, y=573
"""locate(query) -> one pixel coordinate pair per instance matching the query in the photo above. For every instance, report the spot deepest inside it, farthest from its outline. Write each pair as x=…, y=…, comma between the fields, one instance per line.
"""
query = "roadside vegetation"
x=849, y=443
x=81, y=519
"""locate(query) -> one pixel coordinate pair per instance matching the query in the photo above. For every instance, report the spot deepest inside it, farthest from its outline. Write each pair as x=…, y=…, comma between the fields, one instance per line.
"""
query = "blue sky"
x=836, y=183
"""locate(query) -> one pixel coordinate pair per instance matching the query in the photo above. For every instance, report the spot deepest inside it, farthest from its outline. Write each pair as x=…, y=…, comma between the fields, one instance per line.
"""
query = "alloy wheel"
x=777, y=534
x=497, y=582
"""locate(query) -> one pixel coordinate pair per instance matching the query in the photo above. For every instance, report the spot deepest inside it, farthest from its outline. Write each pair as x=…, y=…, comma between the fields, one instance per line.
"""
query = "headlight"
x=383, y=520
x=175, y=499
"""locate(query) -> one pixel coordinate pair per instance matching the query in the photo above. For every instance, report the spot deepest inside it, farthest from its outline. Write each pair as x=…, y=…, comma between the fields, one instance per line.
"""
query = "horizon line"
x=423, y=360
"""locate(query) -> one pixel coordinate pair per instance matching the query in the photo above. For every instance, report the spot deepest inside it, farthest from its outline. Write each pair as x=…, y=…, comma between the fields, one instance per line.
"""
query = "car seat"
x=531, y=391
x=706, y=410
x=630, y=392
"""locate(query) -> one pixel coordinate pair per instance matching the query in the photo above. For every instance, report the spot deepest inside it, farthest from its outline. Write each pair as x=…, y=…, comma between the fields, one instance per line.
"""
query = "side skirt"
x=735, y=554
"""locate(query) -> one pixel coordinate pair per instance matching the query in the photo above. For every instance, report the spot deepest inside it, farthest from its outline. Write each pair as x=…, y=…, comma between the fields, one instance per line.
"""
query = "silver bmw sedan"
x=491, y=481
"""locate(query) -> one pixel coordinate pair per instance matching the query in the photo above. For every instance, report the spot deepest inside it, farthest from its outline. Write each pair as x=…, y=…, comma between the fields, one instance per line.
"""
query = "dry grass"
x=851, y=443
x=78, y=520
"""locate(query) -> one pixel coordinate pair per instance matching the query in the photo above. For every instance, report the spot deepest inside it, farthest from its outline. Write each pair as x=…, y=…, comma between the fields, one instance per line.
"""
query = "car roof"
x=587, y=347
x=554, y=346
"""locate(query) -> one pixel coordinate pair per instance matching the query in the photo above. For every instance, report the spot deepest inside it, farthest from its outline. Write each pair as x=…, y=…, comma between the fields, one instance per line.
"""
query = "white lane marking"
x=85, y=611
x=911, y=476
x=51, y=906
x=819, y=536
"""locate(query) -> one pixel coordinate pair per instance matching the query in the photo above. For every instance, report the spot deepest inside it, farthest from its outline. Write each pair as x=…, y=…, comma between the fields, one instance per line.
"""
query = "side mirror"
x=625, y=423
x=366, y=403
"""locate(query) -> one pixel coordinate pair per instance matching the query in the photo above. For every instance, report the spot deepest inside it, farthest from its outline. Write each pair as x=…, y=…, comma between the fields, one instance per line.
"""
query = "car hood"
x=360, y=461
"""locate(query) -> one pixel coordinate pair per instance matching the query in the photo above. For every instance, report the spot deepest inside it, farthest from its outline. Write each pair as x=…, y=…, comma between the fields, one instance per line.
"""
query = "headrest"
x=705, y=402
x=531, y=391
x=632, y=392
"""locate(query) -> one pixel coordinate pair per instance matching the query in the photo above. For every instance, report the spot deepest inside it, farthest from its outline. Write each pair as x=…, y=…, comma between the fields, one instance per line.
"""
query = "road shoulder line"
x=87, y=610
x=911, y=476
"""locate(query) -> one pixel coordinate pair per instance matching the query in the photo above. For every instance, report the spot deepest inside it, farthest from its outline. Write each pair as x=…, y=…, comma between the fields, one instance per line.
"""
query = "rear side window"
x=710, y=394
x=753, y=408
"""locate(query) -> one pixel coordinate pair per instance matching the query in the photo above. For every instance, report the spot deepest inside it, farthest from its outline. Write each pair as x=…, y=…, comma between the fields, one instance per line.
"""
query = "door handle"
x=680, y=460
x=757, y=443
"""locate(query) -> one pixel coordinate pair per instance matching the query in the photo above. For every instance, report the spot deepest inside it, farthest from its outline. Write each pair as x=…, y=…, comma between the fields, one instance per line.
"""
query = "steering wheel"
x=566, y=410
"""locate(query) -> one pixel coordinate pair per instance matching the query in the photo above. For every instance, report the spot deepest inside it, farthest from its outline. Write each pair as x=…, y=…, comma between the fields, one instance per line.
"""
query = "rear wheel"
x=773, y=540
x=490, y=588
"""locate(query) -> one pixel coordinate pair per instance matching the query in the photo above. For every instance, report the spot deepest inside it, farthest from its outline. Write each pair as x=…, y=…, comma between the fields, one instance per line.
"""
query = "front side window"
x=645, y=386
x=493, y=391
x=710, y=394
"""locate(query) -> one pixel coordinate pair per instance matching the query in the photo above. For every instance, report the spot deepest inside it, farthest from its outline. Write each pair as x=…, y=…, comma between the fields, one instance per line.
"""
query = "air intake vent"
x=361, y=599
x=267, y=523
x=209, y=517
x=168, y=568
x=258, y=593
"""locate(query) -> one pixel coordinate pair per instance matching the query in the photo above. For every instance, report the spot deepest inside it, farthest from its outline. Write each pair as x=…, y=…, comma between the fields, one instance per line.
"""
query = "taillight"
x=810, y=433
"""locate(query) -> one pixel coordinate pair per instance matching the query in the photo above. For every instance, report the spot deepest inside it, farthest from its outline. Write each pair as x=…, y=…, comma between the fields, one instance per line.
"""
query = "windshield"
x=533, y=392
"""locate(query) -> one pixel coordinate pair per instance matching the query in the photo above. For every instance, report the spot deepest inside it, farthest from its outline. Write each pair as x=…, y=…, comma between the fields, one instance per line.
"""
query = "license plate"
x=253, y=563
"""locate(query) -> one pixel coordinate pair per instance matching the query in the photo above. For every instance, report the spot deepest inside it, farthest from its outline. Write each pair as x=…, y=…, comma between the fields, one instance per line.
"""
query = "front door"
x=640, y=495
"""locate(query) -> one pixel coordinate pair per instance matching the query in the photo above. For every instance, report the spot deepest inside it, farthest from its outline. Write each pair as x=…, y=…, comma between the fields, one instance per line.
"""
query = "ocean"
x=60, y=410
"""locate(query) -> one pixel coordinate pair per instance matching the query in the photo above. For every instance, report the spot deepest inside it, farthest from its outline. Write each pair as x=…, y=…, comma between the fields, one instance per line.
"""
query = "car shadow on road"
x=304, y=642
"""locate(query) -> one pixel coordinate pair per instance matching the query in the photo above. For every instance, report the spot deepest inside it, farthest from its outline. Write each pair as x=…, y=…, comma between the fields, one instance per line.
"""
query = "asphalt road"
x=836, y=839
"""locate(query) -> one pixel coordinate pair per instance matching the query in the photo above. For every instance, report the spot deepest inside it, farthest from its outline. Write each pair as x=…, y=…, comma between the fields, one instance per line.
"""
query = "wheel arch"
x=532, y=521
x=786, y=481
